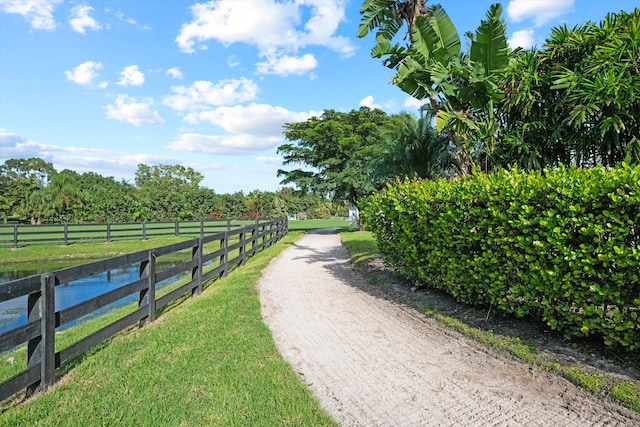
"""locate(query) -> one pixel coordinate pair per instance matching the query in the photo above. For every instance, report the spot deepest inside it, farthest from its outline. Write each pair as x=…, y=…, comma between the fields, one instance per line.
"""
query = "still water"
x=13, y=313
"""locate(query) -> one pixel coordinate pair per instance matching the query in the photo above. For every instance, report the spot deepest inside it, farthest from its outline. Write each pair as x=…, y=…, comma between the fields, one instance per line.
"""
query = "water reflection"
x=13, y=313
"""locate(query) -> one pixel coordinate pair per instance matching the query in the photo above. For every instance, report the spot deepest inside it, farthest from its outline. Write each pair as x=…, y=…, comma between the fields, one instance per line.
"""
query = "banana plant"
x=462, y=88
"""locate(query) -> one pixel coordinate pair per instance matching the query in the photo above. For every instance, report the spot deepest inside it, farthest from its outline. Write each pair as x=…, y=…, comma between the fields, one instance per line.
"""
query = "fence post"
x=148, y=295
x=224, y=257
x=41, y=349
x=228, y=224
x=201, y=229
x=108, y=232
x=243, y=252
x=177, y=228
x=196, y=272
x=15, y=236
x=48, y=328
x=144, y=230
x=66, y=234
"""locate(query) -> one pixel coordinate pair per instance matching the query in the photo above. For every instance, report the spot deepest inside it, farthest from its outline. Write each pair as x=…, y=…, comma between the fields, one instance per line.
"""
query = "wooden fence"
x=223, y=250
x=22, y=234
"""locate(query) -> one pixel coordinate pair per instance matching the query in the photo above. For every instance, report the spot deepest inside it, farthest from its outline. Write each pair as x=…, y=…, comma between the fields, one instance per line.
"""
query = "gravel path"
x=372, y=362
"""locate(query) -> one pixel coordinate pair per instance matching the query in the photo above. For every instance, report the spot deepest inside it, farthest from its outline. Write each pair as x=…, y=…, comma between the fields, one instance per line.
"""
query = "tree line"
x=575, y=100
x=32, y=190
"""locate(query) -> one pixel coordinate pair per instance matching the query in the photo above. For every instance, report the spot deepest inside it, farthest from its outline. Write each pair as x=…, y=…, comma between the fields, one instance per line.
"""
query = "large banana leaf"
x=380, y=14
x=489, y=45
x=435, y=37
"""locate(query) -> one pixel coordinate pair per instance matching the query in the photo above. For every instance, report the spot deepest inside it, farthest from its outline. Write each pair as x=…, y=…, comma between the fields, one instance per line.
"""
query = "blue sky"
x=102, y=86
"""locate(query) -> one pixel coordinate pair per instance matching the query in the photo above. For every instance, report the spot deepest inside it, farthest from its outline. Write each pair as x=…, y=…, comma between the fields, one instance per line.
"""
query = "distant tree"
x=235, y=205
x=335, y=150
x=19, y=179
x=162, y=190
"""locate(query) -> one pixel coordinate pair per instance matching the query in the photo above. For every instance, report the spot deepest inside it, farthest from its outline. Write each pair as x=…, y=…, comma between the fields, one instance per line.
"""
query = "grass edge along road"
x=208, y=361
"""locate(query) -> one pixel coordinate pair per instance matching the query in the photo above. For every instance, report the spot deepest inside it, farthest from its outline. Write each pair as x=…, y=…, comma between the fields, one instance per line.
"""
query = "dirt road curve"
x=371, y=362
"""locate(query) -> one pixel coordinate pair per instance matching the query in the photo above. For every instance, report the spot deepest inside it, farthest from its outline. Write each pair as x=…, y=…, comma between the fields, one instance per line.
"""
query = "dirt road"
x=372, y=362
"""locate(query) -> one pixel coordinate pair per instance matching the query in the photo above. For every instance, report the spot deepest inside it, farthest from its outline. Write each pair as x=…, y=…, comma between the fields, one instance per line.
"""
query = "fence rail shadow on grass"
x=21, y=234
x=224, y=250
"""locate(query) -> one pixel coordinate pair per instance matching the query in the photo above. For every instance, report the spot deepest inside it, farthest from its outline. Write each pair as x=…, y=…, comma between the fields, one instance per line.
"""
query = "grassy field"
x=311, y=224
x=207, y=361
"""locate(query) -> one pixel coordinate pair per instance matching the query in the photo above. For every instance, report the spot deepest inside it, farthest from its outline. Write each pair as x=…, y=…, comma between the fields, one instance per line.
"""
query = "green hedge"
x=561, y=245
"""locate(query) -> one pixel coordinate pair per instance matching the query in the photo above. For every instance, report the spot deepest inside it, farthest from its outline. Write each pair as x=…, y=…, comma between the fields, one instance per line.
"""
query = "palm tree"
x=412, y=148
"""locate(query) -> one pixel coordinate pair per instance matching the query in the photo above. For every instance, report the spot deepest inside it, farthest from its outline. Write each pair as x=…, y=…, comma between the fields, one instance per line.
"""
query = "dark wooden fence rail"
x=21, y=234
x=230, y=247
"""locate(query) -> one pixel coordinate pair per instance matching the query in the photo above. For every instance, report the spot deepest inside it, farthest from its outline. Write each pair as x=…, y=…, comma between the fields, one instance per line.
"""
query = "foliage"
x=462, y=88
x=576, y=100
x=560, y=245
x=32, y=190
x=412, y=148
x=335, y=149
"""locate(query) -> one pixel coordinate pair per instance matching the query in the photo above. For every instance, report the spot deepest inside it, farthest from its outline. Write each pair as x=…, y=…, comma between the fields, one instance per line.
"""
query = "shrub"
x=559, y=244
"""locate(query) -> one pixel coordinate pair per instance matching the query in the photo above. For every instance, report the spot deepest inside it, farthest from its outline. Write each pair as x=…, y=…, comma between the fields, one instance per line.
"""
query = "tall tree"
x=335, y=150
x=462, y=88
x=19, y=179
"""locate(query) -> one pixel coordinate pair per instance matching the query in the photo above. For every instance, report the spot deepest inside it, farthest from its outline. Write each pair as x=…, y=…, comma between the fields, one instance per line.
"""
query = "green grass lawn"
x=313, y=224
x=207, y=361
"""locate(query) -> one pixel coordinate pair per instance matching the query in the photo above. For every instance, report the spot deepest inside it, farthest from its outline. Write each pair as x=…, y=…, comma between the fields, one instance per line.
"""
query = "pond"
x=13, y=313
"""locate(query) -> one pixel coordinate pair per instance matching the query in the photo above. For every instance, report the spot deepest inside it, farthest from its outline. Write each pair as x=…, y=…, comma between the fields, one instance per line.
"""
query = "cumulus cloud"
x=85, y=73
x=368, y=101
x=539, y=11
x=175, y=73
x=412, y=102
x=80, y=19
x=523, y=38
x=277, y=29
x=131, y=76
x=222, y=144
x=286, y=65
x=254, y=119
x=204, y=94
x=39, y=13
x=131, y=110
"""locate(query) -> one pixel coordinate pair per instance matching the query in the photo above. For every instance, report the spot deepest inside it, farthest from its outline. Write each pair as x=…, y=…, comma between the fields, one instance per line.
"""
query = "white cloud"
x=222, y=144
x=85, y=73
x=522, y=38
x=39, y=13
x=137, y=112
x=254, y=119
x=368, y=101
x=277, y=161
x=175, y=73
x=412, y=102
x=204, y=94
x=286, y=65
x=131, y=76
x=233, y=61
x=277, y=29
x=539, y=11
x=80, y=19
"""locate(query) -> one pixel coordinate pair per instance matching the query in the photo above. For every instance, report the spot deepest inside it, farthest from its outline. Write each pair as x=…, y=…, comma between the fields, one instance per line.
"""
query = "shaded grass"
x=208, y=361
x=362, y=246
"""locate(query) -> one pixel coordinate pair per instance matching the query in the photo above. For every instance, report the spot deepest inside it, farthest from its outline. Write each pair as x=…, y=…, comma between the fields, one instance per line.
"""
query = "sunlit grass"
x=207, y=361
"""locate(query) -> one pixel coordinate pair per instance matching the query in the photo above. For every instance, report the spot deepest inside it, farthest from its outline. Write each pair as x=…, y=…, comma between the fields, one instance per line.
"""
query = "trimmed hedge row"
x=561, y=245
